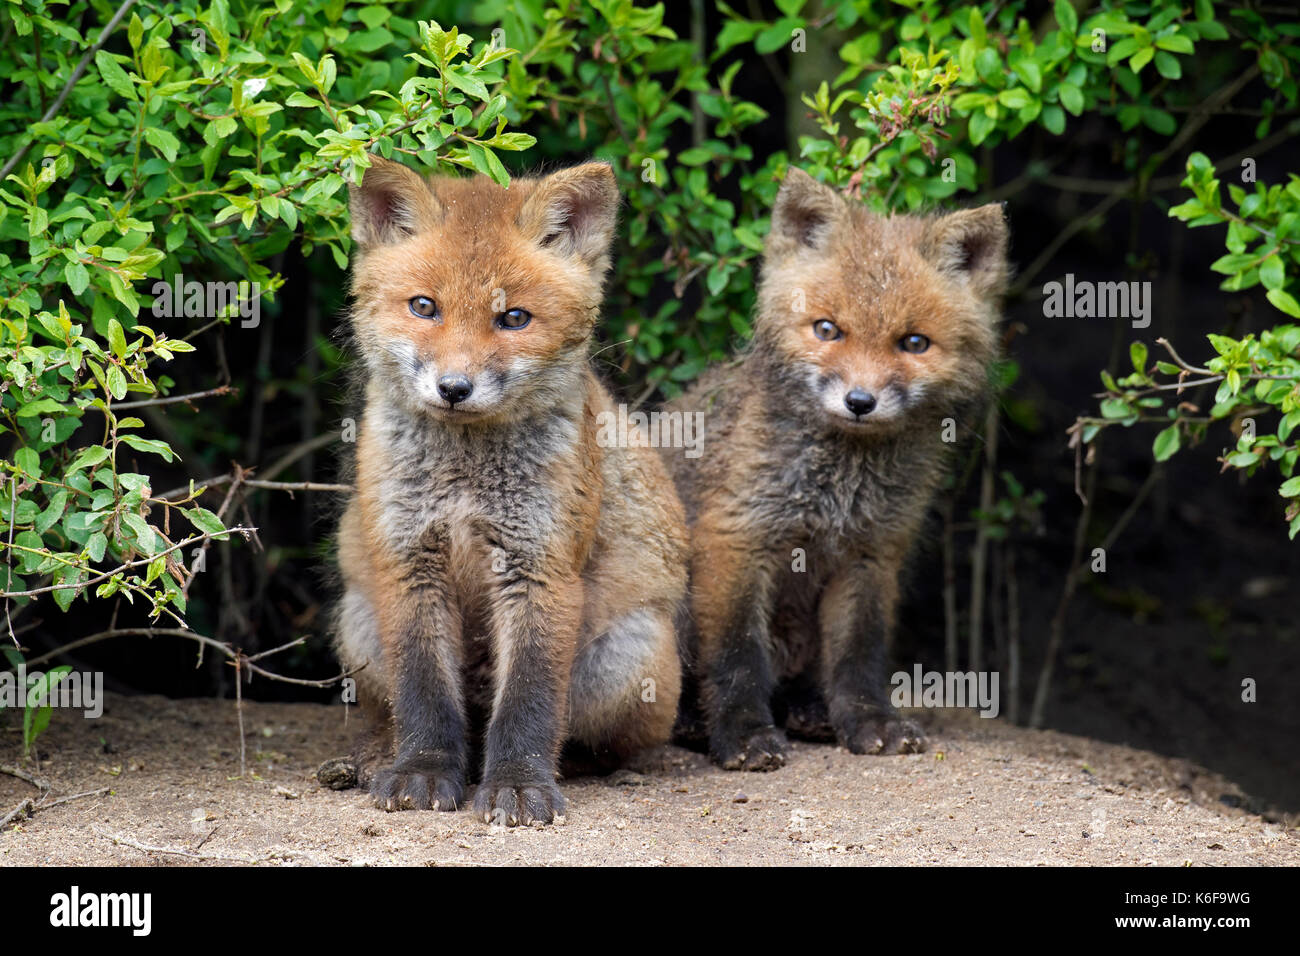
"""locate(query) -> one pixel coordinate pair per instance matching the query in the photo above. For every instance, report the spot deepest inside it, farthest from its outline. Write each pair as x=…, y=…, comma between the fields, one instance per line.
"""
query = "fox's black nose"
x=454, y=388
x=859, y=402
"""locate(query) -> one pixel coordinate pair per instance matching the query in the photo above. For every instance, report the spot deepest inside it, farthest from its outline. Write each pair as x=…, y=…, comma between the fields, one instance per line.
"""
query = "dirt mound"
x=984, y=793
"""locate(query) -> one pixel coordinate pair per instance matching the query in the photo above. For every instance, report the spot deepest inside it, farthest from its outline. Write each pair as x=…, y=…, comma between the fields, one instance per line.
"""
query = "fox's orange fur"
x=506, y=577
x=823, y=447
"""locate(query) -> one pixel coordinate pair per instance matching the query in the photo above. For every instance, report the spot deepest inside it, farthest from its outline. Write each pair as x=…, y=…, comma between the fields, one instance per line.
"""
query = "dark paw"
x=887, y=733
x=518, y=804
x=395, y=789
x=762, y=749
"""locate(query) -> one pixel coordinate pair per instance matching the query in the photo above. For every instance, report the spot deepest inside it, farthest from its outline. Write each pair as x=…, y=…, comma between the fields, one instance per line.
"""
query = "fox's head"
x=875, y=321
x=475, y=303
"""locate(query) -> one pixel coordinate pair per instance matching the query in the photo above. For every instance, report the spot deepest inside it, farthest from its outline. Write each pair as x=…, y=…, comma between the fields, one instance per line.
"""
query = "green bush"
x=205, y=140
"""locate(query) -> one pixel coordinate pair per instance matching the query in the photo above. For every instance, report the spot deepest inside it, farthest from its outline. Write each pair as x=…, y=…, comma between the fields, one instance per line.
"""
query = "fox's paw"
x=884, y=733
x=395, y=789
x=761, y=749
x=536, y=803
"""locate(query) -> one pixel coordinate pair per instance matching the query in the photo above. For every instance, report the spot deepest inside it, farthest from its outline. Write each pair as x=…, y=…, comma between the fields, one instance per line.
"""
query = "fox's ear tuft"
x=573, y=212
x=392, y=203
x=971, y=245
x=804, y=214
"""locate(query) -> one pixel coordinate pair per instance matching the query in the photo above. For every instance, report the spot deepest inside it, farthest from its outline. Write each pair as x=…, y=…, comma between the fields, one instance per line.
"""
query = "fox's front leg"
x=732, y=606
x=535, y=621
x=856, y=616
x=423, y=645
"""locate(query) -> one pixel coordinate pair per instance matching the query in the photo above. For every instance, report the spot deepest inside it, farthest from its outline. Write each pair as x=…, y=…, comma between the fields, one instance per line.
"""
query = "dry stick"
x=201, y=639
x=1013, y=637
x=24, y=807
x=21, y=774
x=198, y=846
x=221, y=514
x=997, y=605
x=980, y=549
x=67, y=87
x=949, y=587
x=1077, y=568
x=270, y=471
x=126, y=567
x=239, y=711
x=171, y=851
x=9, y=557
x=242, y=663
x=173, y=399
x=45, y=805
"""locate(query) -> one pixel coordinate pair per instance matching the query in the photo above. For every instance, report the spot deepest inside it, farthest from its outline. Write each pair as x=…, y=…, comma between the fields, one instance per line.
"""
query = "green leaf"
x=205, y=521
x=1066, y=17
x=163, y=141
x=1284, y=301
x=1138, y=353
x=149, y=445
x=90, y=457
x=29, y=461
x=1168, y=66
x=114, y=76
x=1071, y=97
x=77, y=277
x=116, y=338
x=1166, y=443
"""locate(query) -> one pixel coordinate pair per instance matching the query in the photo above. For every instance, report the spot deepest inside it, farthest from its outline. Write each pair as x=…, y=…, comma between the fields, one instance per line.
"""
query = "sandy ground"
x=985, y=793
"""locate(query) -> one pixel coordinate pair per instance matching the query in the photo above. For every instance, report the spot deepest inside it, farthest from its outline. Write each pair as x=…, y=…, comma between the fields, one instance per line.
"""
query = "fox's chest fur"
x=473, y=477
x=835, y=490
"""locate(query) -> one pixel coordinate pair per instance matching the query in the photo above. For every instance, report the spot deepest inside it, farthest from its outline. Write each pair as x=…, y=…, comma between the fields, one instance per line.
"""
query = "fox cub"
x=827, y=444
x=511, y=584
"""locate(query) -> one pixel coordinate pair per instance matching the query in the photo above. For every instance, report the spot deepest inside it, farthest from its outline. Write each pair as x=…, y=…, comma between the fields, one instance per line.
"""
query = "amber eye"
x=914, y=343
x=514, y=319
x=423, y=307
x=826, y=330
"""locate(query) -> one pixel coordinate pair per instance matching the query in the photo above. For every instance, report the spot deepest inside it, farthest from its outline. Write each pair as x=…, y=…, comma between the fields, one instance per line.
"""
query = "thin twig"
x=125, y=567
x=269, y=471
x=45, y=805
x=9, y=557
x=173, y=399
x=172, y=851
x=21, y=774
x=24, y=807
x=67, y=87
x=1077, y=568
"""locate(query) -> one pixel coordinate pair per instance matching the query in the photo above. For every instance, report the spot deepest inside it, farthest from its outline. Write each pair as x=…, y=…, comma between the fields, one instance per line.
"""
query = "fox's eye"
x=514, y=319
x=826, y=330
x=914, y=343
x=423, y=307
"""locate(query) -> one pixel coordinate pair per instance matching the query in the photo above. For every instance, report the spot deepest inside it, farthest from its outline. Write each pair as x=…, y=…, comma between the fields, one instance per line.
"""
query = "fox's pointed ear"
x=971, y=246
x=391, y=204
x=804, y=214
x=573, y=212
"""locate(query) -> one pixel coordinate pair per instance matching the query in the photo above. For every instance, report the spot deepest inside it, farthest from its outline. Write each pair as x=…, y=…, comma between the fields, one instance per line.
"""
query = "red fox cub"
x=511, y=583
x=823, y=445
